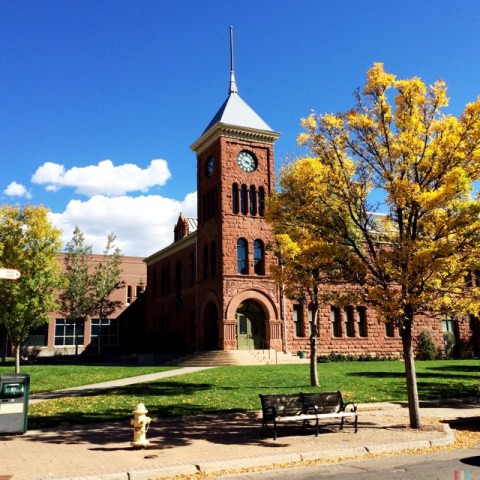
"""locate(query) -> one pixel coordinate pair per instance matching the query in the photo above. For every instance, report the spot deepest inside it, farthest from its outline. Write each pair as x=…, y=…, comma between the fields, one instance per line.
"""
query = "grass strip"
x=236, y=389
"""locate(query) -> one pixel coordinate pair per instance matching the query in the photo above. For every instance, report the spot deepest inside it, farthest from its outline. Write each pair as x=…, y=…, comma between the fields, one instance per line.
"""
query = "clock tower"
x=238, y=305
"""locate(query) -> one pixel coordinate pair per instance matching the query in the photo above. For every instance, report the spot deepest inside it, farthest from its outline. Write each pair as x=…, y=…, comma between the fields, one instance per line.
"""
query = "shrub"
x=426, y=348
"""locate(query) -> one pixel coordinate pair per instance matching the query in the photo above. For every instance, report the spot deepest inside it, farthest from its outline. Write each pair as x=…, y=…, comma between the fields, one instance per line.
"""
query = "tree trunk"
x=313, y=363
x=17, y=358
x=313, y=349
x=411, y=376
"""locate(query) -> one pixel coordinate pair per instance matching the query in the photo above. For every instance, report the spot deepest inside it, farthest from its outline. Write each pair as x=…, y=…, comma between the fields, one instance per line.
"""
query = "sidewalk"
x=213, y=443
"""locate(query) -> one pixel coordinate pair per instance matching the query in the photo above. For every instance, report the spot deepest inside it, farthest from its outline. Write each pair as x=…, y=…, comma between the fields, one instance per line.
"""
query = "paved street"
x=450, y=465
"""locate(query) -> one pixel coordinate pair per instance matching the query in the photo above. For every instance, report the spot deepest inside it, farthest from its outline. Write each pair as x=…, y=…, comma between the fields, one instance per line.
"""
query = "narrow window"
x=389, y=329
x=261, y=201
x=235, y=198
x=349, y=322
x=129, y=294
x=243, y=200
x=336, y=320
x=253, y=201
x=362, y=321
x=472, y=322
x=298, y=320
x=242, y=264
x=258, y=257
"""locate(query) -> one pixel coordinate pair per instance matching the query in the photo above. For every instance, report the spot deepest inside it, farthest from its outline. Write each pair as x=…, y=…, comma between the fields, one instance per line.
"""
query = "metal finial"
x=233, y=85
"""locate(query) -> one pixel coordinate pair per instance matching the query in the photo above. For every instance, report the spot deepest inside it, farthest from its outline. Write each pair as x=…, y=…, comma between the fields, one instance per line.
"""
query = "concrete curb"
x=297, y=458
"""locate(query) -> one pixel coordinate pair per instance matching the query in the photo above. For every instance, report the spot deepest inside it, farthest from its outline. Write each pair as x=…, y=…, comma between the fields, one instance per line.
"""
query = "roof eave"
x=220, y=129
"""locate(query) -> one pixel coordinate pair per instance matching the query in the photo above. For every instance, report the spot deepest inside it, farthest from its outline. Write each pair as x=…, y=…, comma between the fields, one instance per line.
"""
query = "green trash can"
x=14, y=392
x=302, y=354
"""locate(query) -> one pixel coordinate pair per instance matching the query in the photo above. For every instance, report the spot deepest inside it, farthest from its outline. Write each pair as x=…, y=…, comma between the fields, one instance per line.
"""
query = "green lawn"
x=237, y=388
x=46, y=378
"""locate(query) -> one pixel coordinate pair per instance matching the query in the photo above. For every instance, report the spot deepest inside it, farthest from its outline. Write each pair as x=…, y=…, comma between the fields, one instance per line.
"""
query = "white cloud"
x=142, y=225
x=104, y=178
x=17, y=190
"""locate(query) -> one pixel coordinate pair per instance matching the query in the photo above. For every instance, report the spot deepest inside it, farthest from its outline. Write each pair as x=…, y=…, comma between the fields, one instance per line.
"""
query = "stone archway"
x=250, y=326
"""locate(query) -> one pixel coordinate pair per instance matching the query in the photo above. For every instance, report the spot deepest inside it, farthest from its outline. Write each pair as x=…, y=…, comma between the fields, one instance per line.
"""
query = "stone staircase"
x=218, y=358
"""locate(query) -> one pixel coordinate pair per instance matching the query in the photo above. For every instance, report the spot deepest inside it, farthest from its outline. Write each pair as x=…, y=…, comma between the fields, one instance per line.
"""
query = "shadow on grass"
x=457, y=368
x=163, y=400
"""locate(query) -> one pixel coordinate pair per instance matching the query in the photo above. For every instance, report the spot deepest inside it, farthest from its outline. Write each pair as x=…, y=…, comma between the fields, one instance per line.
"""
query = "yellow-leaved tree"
x=407, y=253
x=30, y=244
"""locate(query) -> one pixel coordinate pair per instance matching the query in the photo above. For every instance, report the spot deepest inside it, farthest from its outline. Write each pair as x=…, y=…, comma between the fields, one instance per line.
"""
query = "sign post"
x=9, y=274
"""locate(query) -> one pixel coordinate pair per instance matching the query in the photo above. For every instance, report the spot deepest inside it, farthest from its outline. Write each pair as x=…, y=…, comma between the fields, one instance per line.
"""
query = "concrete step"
x=237, y=357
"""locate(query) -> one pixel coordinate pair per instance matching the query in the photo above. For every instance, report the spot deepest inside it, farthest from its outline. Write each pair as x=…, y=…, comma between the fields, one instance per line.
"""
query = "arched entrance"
x=250, y=326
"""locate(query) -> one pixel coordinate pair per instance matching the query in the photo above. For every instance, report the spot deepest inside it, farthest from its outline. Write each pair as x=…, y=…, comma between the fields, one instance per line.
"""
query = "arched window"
x=235, y=198
x=243, y=200
x=242, y=256
x=253, y=201
x=258, y=257
x=213, y=259
x=261, y=201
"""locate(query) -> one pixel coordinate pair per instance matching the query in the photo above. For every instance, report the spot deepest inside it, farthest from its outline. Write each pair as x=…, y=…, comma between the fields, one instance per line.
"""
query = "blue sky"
x=100, y=100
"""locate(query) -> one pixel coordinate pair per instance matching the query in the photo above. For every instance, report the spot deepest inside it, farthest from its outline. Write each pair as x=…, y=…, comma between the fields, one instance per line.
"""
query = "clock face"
x=210, y=168
x=246, y=161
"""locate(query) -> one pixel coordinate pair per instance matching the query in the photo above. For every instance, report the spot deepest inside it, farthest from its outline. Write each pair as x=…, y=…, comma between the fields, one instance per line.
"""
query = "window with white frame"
x=106, y=329
x=66, y=331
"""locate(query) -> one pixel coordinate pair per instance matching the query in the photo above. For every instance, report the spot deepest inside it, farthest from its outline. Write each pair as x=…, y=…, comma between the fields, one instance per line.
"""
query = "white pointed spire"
x=233, y=85
x=235, y=113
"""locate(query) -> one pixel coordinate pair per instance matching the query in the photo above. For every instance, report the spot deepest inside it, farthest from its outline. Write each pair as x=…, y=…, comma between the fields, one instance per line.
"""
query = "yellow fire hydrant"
x=140, y=423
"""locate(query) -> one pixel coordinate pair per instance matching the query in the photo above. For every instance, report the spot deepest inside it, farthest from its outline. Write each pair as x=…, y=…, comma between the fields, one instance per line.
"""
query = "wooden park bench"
x=306, y=408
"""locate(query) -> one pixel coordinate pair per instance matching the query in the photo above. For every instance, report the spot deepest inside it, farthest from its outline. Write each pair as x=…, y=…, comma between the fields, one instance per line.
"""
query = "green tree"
x=76, y=299
x=412, y=259
x=89, y=284
x=105, y=280
x=30, y=244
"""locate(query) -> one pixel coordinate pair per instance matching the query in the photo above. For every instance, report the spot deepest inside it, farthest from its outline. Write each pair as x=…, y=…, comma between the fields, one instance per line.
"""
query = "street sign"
x=9, y=273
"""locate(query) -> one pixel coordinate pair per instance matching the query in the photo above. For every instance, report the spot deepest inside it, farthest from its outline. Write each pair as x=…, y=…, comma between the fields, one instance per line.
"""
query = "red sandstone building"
x=118, y=333
x=210, y=289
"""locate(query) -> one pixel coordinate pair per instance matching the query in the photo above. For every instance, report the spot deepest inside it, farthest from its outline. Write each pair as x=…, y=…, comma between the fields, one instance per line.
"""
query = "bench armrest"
x=353, y=407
